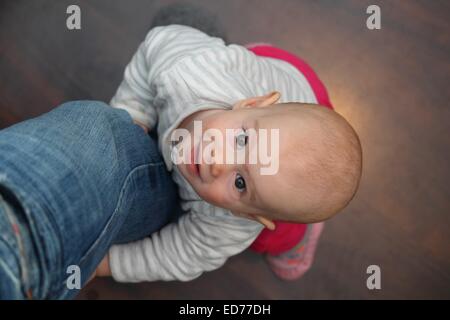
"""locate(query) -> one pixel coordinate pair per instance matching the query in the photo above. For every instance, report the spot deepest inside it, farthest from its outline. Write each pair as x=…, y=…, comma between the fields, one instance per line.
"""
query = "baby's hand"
x=142, y=126
x=103, y=269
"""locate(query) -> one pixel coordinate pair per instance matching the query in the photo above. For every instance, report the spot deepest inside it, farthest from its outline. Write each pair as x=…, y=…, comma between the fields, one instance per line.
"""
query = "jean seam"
x=2, y=240
x=29, y=205
x=23, y=261
x=60, y=293
x=8, y=270
x=119, y=203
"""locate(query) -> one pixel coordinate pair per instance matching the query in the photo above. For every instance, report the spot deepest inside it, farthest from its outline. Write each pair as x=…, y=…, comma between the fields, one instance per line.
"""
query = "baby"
x=180, y=77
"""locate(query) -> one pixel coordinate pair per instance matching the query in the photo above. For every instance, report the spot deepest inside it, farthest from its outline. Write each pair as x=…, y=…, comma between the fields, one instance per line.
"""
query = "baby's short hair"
x=324, y=161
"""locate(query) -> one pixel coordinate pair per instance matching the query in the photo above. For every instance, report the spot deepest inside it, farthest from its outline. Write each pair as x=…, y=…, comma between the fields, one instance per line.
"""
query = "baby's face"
x=241, y=187
x=315, y=160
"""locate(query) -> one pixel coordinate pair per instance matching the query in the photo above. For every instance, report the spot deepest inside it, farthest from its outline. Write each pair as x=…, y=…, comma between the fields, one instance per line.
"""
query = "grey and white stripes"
x=177, y=71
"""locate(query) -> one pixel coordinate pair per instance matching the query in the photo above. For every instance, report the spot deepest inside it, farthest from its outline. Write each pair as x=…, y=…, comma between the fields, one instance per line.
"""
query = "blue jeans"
x=73, y=182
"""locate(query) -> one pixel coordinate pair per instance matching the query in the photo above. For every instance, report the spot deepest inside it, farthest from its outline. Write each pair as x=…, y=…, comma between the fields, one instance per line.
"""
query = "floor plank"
x=391, y=84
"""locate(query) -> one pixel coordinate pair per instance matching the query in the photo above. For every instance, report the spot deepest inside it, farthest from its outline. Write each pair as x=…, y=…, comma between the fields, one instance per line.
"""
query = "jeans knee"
x=87, y=108
x=87, y=111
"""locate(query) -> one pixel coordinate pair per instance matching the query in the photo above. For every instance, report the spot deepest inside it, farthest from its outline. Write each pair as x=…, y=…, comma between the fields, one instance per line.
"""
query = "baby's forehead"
x=285, y=176
x=288, y=124
x=276, y=192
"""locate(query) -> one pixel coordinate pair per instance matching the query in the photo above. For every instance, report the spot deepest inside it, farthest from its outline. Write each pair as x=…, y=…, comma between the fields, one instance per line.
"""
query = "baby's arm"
x=134, y=93
x=183, y=250
x=161, y=49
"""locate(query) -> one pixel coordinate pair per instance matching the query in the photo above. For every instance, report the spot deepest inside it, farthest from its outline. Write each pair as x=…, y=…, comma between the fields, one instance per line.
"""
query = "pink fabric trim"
x=267, y=50
x=285, y=236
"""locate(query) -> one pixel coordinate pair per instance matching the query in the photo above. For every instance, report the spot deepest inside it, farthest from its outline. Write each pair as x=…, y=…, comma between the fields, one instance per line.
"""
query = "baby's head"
x=319, y=165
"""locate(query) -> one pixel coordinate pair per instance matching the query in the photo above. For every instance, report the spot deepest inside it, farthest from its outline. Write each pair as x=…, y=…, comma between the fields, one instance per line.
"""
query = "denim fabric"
x=76, y=180
x=11, y=251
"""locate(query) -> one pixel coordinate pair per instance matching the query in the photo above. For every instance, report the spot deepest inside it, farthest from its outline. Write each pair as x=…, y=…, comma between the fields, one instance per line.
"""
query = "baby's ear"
x=268, y=223
x=258, y=102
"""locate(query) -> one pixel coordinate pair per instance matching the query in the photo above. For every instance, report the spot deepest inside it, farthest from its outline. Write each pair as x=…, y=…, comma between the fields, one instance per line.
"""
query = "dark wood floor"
x=392, y=84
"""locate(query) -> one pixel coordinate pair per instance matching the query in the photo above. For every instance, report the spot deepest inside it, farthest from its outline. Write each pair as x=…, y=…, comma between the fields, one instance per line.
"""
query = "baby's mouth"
x=193, y=167
x=197, y=169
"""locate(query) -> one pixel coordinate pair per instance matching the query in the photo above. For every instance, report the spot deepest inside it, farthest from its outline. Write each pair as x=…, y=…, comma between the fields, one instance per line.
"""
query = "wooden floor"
x=392, y=85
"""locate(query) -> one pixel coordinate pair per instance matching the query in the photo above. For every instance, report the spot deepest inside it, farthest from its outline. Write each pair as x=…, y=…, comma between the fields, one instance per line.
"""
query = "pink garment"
x=287, y=235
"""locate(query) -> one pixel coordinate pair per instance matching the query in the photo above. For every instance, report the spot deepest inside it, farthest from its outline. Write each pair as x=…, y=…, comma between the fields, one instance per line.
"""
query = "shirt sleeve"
x=161, y=49
x=183, y=250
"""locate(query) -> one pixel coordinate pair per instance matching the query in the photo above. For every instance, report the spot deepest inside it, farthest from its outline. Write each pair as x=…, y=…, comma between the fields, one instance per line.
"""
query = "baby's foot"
x=292, y=264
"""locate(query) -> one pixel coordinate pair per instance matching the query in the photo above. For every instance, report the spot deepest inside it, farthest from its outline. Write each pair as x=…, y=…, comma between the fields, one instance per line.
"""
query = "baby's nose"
x=217, y=169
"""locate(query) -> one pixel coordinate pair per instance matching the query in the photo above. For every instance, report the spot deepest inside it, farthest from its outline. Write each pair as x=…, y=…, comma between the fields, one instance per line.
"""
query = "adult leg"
x=78, y=174
x=10, y=253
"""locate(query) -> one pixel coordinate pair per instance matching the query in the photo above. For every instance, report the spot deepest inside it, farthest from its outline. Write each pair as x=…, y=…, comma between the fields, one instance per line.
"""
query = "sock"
x=292, y=264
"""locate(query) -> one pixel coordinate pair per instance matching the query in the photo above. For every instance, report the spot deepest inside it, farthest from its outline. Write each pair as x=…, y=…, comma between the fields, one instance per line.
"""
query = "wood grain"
x=392, y=85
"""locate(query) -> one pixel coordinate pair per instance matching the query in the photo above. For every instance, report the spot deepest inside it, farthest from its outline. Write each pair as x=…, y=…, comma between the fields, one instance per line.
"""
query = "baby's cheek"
x=215, y=196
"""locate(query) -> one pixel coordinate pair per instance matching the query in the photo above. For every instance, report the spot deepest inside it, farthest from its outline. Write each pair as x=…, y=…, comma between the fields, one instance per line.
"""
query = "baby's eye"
x=241, y=139
x=239, y=183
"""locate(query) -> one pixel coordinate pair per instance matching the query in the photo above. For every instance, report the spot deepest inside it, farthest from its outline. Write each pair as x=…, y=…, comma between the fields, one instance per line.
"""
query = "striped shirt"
x=175, y=72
